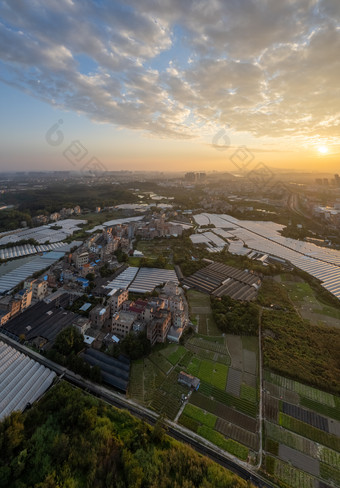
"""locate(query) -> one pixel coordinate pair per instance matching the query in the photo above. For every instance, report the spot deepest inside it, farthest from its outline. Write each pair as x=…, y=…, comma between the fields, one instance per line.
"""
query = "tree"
x=68, y=341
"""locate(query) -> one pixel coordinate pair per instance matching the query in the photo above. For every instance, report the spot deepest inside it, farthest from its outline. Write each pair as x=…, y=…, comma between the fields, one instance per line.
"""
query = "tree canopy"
x=72, y=440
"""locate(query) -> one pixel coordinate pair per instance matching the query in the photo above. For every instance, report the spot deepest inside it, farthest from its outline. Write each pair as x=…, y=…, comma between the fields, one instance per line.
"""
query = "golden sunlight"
x=323, y=149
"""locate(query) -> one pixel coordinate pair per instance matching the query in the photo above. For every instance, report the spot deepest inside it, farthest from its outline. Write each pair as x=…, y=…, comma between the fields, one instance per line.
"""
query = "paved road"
x=261, y=395
x=176, y=431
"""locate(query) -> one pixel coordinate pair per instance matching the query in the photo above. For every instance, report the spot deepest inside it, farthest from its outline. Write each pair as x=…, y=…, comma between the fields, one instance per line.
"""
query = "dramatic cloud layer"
x=267, y=67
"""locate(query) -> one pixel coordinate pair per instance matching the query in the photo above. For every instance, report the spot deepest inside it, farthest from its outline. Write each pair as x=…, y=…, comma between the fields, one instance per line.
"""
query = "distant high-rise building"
x=325, y=181
x=337, y=180
x=193, y=177
x=318, y=181
x=190, y=177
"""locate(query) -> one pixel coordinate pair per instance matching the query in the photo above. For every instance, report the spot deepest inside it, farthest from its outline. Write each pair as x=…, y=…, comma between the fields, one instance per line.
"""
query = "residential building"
x=81, y=258
x=117, y=299
x=159, y=326
x=122, y=323
x=188, y=380
x=99, y=315
x=82, y=324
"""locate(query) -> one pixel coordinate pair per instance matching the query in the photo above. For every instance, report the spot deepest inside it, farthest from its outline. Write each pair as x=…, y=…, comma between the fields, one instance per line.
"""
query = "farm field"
x=310, y=308
x=301, y=431
x=217, y=415
x=201, y=313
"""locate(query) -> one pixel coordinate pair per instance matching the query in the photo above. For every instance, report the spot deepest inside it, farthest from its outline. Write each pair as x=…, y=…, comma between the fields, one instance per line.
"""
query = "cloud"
x=263, y=67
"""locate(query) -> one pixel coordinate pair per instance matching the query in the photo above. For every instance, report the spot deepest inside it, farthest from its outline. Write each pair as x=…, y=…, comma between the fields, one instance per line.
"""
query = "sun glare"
x=323, y=149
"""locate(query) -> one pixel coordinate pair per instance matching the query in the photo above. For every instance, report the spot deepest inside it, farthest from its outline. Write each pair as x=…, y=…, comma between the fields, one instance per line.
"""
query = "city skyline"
x=171, y=85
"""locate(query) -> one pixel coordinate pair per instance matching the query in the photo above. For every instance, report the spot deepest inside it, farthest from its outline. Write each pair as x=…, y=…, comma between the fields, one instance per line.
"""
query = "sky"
x=170, y=85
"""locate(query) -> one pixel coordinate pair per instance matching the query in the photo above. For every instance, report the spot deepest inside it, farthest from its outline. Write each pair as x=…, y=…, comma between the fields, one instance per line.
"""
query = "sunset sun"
x=323, y=149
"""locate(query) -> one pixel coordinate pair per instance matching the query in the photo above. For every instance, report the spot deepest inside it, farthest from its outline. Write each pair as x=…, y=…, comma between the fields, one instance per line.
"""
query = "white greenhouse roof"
x=22, y=380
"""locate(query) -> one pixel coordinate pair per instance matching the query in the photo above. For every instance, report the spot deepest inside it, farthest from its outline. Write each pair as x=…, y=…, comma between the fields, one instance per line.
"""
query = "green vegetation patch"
x=210, y=397
x=209, y=372
x=273, y=293
x=248, y=393
x=308, y=392
x=310, y=432
x=235, y=317
x=330, y=473
x=189, y=423
x=293, y=477
x=200, y=416
x=72, y=439
x=174, y=353
x=219, y=440
x=160, y=361
x=313, y=351
x=331, y=412
x=330, y=457
x=291, y=439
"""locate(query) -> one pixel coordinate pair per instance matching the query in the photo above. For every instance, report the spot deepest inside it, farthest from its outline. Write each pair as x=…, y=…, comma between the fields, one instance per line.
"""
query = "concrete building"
x=82, y=324
x=81, y=258
x=170, y=289
x=25, y=297
x=117, y=299
x=99, y=315
x=39, y=289
x=159, y=326
x=122, y=323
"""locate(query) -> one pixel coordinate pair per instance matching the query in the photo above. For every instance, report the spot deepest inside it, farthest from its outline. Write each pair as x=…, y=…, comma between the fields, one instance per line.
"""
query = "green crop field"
x=209, y=345
x=160, y=361
x=153, y=378
x=241, y=404
x=248, y=393
x=189, y=423
x=304, y=390
x=330, y=457
x=292, y=476
x=331, y=412
x=136, y=389
x=219, y=440
x=173, y=353
x=290, y=439
x=204, y=418
x=200, y=311
x=310, y=432
x=213, y=373
x=330, y=473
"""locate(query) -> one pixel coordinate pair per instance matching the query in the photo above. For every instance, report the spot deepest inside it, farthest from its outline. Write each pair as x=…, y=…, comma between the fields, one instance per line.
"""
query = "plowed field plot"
x=136, y=388
x=292, y=476
x=295, y=441
x=237, y=433
x=271, y=408
x=304, y=390
x=241, y=404
x=306, y=416
x=231, y=415
x=161, y=362
x=173, y=353
x=249, y=361
x=281, y=393
x=234, y=382
x=299, y=460
x=334, y=427
x=209, y=345
x=165, y=403
x=236, y=351
x=249, y=379
x=200, y=310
